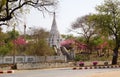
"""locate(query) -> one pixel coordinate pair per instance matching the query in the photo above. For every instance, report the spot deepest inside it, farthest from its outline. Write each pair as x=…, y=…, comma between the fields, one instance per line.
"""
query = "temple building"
x=54, y=35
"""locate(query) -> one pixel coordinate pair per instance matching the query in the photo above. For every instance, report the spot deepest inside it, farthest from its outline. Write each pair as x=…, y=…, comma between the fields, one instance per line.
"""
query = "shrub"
x=81, y=64
x=106, y=63
x=95, y=63
x=77, y=58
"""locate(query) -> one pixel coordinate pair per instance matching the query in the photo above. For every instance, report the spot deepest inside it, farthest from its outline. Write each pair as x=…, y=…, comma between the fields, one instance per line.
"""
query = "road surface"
x=58, y=72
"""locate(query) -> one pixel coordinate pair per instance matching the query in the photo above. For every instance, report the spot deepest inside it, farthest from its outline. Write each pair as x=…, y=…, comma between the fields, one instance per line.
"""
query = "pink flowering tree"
x=20, y=44
x=19, y=41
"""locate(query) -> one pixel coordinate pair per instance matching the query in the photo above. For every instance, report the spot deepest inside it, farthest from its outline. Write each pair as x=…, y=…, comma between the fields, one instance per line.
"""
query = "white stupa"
x=54, y=36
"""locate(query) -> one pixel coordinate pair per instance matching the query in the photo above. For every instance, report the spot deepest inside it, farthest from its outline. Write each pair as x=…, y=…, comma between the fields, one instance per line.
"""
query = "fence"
x=29, y=59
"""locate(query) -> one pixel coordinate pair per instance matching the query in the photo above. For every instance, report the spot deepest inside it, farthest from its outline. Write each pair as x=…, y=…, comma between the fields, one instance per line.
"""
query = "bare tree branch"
x=11, y=11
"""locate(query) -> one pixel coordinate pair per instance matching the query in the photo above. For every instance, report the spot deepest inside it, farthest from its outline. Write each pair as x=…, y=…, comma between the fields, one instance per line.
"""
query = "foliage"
x=77, y=58
x=39, y=48
x=82, y=57
x=38, y=45
x=106, y=63
x=81, y=64
x=70, y=36
x=5, y=49
x=97, y=40
x=2, y=36
x=86, y=28
x=11, y=9
x=80, y=39
x=12, y=35
x=99, y=43
x=19, y=41
x=107, y=22
x=95, y=63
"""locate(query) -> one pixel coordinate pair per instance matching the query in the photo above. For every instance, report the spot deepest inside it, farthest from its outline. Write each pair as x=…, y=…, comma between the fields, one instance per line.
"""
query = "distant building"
x=54, y=36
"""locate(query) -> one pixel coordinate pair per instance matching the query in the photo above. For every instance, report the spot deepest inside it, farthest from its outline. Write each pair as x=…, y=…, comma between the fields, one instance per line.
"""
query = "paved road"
x=61, y=72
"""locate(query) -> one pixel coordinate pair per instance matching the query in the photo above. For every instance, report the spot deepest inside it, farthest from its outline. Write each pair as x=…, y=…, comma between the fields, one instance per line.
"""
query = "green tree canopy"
x=107, y=22
x=11, y=35
x=37, y=44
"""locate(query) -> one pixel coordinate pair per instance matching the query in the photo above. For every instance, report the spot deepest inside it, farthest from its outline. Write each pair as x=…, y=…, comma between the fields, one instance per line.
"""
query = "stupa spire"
x=54, y=28
x=54, y=36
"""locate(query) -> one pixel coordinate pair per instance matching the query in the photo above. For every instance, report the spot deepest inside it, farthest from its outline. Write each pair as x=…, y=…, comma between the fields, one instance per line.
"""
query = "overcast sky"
x=67, y=12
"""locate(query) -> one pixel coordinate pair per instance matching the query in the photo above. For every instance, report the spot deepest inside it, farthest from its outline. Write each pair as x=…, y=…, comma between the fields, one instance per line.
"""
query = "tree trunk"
x=115, y=56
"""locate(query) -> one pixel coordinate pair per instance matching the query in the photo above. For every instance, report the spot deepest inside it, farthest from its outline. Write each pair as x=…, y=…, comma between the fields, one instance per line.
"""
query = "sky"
x=67, y=12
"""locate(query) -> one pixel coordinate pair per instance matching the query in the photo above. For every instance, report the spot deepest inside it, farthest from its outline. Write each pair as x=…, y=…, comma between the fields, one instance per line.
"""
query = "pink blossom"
x=19, y=41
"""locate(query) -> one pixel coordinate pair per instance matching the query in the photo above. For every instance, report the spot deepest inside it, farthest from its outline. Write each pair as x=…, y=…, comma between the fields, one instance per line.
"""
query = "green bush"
x=81, y=58
x=77, y=58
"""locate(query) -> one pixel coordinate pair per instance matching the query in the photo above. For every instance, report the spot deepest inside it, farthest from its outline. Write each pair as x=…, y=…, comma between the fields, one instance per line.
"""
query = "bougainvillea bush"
x=81, y=64
x=95, y=63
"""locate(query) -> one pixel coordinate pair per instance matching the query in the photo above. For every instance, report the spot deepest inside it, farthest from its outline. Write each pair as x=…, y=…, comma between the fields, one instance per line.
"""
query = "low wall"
x=21, y=66
x=29, y=59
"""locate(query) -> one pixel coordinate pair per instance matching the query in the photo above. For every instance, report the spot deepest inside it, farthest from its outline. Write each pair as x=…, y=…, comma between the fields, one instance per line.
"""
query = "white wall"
x=30, y=59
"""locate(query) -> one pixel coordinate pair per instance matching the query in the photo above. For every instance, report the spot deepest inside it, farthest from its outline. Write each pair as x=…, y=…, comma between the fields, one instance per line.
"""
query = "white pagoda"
x=54, y=36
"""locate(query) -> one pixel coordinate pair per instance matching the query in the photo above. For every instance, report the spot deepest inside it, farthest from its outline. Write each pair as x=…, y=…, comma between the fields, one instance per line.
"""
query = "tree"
x=86, y=28
x=107, y=21
x=2, y=36
x=40, y=33
x=40, y=48
x=100, y=44
x=12, y=35
x=6, y=48
x=10, y=8
x=38, y=45
x=70, y=36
